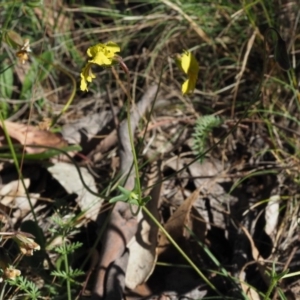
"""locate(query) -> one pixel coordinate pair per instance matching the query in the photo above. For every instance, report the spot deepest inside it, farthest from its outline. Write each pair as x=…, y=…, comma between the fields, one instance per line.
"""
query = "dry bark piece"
x=30, y=135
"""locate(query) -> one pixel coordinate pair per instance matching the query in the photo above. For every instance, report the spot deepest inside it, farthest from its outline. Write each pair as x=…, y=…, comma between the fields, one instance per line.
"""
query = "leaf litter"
x=239, y=206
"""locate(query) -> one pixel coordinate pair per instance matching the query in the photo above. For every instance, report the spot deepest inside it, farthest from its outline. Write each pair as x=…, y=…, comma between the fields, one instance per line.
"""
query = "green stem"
x=270, y=289
x=266, y=13
x=7, y=19
x=16, y=162
x=135, y=160
x=67, y=272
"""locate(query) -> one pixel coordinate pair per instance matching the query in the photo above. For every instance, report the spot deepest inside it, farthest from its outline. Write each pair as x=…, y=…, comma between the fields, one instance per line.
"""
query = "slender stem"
x=3, y=289
x=266, y=12
x=135, y=160
x=67, y=272
x=270, y=289
x=7, y=19
x=15, y=159
x=138, y=187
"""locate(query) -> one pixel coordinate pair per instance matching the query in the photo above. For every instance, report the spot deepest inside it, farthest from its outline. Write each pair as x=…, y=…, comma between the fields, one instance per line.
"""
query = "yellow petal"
x=184, y=87
x=101, y=59
x=83, y=84
x=92, y=51
x=99, y=51
x=189, y=65
x=86, y=76
x=185, y=61
x=111, y=49
x=189, y=85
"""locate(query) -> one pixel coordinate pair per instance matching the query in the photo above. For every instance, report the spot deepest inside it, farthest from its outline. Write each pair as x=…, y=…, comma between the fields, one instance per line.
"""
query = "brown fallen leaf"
x=30, y=135
x=182, y=218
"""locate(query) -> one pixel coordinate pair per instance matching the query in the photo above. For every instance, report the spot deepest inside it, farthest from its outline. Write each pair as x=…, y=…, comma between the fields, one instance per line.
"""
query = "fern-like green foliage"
x=67, y=249
x=70, y=275
x=203, y=127
x=29, y=288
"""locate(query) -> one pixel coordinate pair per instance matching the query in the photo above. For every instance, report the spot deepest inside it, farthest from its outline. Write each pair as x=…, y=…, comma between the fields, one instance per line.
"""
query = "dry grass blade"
x=193, y=24
x=243, y=68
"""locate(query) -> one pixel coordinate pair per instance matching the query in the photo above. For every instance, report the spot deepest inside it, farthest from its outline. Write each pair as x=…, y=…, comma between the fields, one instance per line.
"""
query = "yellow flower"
x=103, y=55
x=189, y=65
x=22, y=54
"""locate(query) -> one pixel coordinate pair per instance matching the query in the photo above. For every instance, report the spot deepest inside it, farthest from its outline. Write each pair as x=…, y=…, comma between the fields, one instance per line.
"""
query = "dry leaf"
x=30, y=135
x=272, y=215
x=176, y=225
x=67, y=175
x=13, y=195
x=84, y=129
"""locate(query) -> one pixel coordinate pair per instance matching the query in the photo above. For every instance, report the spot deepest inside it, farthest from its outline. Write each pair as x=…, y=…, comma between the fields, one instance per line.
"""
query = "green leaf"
x=2, y=58
x=146, y=199
x=6, y=81
x=124, y=191
x=40, y=156
x=122, y=198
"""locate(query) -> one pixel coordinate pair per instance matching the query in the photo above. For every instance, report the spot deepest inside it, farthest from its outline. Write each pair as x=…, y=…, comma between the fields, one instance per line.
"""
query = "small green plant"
x=29, y=289
x=203, y=127
x=131, y=197
x=63, y=269
x=274, y=280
